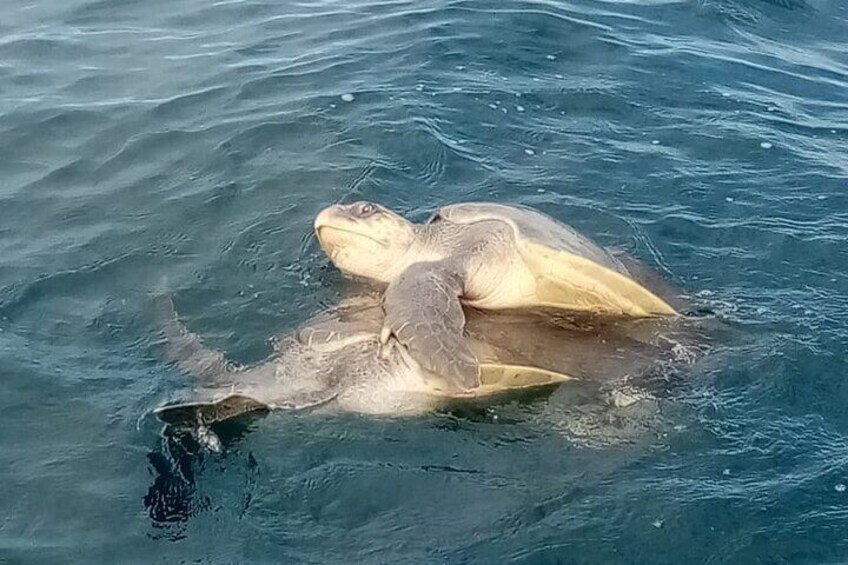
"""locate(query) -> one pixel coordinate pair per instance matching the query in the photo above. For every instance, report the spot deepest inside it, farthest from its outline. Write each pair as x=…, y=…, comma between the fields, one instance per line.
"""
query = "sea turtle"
x=485, y=255
x=336, y=360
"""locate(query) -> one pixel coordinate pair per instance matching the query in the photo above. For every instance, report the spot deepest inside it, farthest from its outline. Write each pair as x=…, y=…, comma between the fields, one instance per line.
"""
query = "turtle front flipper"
x=187, y=349
x=424, y=312
x=187, y=414
x=196, y=418
x=572, y=282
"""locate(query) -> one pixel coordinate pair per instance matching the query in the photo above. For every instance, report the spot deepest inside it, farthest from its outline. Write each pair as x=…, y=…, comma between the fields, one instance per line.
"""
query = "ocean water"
x=187, y=145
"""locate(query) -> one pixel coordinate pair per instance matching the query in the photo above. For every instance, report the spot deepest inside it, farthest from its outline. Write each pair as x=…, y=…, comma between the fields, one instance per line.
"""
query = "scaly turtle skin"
x=336, y=361
x=488, y=256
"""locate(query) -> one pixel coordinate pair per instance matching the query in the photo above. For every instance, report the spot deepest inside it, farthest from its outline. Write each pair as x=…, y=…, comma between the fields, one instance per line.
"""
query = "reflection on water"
x=172, y=500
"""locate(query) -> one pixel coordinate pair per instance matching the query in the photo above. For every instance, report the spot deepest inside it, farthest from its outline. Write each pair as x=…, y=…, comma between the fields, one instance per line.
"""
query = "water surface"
x=188, y=145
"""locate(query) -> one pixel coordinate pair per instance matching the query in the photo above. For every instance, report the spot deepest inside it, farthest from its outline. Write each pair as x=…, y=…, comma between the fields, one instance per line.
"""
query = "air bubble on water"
x=529, y=151
x=520, y=108
x=839, y=487
x=766, y=145
x=347, y=97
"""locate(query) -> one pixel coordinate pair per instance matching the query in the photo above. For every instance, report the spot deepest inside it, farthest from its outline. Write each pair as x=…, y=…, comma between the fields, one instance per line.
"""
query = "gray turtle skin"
x=487, y=256
x=336, y=361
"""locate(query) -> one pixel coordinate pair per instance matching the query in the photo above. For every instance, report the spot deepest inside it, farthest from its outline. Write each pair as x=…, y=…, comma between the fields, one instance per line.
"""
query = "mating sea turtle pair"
x=336, y=361
x=483, y=255
x=435, y=334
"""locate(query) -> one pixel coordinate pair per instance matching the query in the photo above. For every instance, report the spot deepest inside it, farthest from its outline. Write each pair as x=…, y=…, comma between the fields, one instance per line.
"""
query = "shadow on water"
x=176, y=464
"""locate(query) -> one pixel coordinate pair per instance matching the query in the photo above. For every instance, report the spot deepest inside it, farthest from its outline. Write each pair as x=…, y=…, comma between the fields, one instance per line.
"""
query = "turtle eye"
x=364, y=209
x=435, y=218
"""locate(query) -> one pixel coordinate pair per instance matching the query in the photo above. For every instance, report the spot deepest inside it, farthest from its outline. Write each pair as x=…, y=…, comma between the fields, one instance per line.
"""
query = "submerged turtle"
x=336, y=360
x=489, y=256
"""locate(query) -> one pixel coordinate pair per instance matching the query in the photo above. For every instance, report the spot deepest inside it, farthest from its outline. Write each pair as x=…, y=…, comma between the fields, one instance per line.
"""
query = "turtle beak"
x=327, y=217
x=336, y=229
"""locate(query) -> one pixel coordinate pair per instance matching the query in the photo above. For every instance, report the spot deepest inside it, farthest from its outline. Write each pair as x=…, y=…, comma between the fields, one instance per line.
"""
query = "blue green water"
x=190, y=143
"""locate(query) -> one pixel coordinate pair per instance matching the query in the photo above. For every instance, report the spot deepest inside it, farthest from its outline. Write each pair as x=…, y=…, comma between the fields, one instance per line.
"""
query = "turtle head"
x=364, y=239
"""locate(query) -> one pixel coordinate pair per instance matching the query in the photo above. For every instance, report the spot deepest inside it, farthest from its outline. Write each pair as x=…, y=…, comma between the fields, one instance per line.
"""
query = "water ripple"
x=194, y=143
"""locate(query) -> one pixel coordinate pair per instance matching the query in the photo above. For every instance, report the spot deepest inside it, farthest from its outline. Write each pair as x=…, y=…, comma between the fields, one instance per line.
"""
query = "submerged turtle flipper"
x=424, y=313
x=497, y=378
